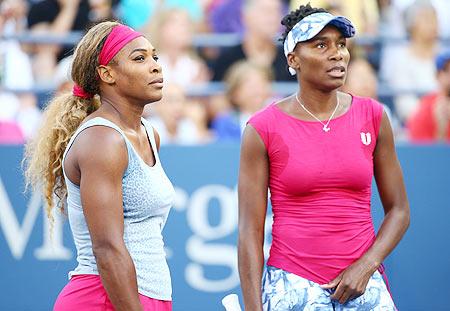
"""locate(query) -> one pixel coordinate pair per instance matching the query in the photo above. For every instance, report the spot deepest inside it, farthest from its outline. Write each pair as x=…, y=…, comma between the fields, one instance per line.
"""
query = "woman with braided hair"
x=100, y=158
x=317, y=152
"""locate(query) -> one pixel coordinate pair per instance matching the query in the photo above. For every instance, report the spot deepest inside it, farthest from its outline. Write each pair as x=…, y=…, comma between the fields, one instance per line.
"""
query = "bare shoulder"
x=284, y=103
x=252, y=141
x=345, y=100
x=98, y=147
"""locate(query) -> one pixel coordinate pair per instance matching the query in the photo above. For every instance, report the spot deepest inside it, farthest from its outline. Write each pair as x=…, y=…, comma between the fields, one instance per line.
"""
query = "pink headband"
x=119, y=36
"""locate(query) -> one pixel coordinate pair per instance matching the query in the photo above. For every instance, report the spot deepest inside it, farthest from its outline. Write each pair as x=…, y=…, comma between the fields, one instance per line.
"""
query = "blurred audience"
x=18, y=107
x=409, y=69
x=138, y=13
x=172, y=32
x=193, y=7
x=59, y=17
x=10, y=133
x=248, y=89
x=431, y=121
x=63, y=79
x=225, y=16
x=362, y=81
x=15, y=64
x=261, y=20
x=363, y=14
x=442, y=9
x=13, y=15
x=177, y=120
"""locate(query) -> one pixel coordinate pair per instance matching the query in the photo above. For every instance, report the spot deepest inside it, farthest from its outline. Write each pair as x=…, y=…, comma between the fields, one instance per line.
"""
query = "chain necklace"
x=325, y=127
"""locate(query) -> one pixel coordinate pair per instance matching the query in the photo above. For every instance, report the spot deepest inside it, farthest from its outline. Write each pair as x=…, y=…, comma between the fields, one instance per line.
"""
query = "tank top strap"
x=151, y=136
x=99, y=121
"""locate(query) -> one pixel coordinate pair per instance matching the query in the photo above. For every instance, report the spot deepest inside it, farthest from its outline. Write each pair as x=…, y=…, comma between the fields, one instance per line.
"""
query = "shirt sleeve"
x=260, y=122
x=377, y=113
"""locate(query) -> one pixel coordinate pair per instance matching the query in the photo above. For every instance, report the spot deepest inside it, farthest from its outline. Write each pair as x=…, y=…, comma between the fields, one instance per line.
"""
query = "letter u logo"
x=366, y=138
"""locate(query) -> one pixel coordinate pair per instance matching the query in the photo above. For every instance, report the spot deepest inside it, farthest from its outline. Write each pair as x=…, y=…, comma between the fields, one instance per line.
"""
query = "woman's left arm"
x=352, y=281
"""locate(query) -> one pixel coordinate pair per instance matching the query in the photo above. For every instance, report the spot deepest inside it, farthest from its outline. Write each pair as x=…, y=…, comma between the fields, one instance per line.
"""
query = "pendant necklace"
x=325, y=127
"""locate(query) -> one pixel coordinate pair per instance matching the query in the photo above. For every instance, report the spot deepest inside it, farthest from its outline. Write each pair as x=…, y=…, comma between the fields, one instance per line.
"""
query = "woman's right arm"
x=252, y=193
x=102, y=159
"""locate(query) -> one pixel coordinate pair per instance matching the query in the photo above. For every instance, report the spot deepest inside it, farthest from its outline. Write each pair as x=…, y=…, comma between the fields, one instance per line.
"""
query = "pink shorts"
x=86, y=292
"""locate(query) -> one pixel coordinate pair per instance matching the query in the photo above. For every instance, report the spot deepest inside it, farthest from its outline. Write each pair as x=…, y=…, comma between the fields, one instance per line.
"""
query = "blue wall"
x=202, y=230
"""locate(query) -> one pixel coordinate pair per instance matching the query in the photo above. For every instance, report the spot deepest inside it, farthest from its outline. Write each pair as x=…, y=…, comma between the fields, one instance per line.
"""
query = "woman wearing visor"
x=317, y=151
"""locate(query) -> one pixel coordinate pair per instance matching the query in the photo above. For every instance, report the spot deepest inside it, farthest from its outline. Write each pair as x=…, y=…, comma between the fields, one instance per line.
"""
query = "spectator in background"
x=364, y=14
x=248, y=90
x=138, y=13
x=59, y=17
x=15, y=64
x=225, y=16
x=261, y=20
x=21, y=110
x=193, y=7
x=391, y=24
x=431, y=121
x=177, y=120
x=442, y=9
x=172, y=31
x=362, y=81
x=410, y=69
x=443, y=12
x=10, y=133
x=63, y=81
x=18, y=106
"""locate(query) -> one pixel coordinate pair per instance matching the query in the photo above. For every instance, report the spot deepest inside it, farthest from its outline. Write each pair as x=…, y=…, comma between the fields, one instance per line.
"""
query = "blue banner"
x=201, y=233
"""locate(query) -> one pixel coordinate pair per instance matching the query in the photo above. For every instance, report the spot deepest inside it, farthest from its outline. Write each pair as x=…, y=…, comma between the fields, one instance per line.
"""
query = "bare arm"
x=252, y=192
x=66, y=17
x=102, y=159
x=352, y=282
x=45, y=60
x=391, y=187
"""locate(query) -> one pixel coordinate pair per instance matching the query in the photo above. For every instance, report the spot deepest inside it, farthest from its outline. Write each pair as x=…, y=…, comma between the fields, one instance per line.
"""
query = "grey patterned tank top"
x=147, y=197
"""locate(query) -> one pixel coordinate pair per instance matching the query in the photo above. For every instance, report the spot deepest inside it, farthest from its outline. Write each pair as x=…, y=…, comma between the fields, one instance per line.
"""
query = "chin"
x=331, y=87
x=156, y=96
x=336, y=84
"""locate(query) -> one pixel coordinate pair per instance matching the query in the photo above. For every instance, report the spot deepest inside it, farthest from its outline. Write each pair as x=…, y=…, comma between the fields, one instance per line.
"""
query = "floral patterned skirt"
x=282, y=291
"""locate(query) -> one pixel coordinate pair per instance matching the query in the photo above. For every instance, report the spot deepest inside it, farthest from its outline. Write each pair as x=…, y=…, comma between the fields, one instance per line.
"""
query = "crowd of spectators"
x=400, y=57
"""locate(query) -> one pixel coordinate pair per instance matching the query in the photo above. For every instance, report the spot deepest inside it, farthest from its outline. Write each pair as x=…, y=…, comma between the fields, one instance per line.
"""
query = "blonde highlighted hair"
x=239, y=71
x=63, y=115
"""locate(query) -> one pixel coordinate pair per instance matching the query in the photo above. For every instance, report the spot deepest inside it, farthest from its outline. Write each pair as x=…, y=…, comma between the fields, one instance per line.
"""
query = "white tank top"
x=147, y=197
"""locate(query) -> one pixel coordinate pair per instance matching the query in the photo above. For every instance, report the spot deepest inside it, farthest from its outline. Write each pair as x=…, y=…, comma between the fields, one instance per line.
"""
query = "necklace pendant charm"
x=325, y=127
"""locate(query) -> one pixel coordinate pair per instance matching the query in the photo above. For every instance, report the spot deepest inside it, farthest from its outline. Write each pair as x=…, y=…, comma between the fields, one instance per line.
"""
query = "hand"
x=13, y=9
x=352, y=282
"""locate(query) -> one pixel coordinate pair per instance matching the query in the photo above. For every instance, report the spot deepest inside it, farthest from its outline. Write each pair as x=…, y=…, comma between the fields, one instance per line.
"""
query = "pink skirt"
x=86, y=292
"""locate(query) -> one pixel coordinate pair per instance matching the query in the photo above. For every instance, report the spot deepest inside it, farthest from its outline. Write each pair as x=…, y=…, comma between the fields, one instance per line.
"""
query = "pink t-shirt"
x=320, y=186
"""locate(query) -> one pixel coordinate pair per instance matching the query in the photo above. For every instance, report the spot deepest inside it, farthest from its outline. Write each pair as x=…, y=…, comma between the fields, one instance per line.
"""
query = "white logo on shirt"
x=366, y=138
